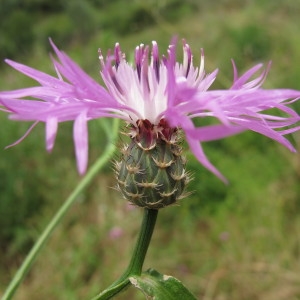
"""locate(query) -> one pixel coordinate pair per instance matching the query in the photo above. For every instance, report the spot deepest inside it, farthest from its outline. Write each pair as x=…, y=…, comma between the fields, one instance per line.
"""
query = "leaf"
x=160, y=287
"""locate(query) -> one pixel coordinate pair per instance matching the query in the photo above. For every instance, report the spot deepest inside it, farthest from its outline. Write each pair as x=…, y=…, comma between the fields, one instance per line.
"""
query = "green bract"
x=152, y=171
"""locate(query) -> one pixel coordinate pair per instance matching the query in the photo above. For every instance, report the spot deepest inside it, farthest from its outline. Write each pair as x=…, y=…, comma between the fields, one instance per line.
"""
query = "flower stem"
x=25, y=267
x=138, y=256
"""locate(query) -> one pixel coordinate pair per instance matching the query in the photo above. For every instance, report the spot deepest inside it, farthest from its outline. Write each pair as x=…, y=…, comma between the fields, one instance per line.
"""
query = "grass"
x=239, y=241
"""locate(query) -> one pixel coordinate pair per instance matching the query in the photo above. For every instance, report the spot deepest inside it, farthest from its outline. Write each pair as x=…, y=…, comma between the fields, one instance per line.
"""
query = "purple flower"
x=157, y=89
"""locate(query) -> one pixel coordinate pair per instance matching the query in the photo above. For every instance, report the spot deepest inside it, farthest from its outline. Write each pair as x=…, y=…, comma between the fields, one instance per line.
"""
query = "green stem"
x=138, y=256
x=24, y=268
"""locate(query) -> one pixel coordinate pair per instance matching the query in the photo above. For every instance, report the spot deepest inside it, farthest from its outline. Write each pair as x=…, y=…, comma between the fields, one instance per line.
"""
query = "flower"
x=159, y=90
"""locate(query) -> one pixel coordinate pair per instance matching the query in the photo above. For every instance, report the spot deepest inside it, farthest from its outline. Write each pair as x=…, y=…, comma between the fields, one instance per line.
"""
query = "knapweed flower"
x=158, y=97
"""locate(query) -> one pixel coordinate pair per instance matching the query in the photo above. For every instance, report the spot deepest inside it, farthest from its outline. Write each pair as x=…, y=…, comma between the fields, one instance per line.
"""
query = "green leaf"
x=161, y=287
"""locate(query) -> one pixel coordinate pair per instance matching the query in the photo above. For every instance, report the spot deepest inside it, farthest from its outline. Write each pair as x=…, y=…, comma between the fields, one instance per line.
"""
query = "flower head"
x=158, y=91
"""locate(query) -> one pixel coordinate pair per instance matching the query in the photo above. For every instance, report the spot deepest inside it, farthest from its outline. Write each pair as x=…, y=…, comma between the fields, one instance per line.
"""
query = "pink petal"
x=175, y=119
x=197, y=150
x=214, y=132
x=41, y=77
x=23, y=137
x=265, y=130
x=51, y=130
x=80, y=136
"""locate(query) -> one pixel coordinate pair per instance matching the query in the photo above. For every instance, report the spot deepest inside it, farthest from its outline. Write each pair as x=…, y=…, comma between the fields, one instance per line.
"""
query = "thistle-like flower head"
x=157, y=92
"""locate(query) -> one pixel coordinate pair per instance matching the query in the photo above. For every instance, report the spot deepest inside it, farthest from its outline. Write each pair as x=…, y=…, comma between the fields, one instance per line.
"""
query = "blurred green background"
x=237, y=242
